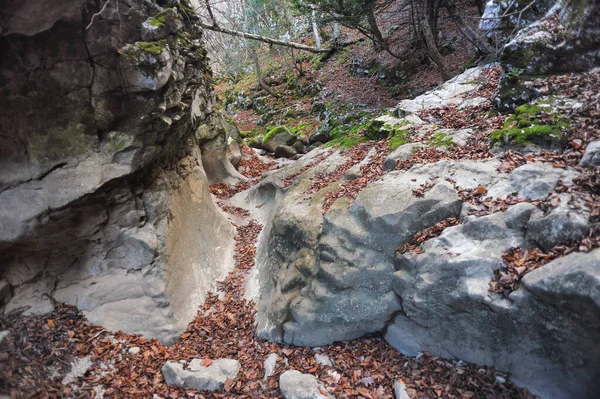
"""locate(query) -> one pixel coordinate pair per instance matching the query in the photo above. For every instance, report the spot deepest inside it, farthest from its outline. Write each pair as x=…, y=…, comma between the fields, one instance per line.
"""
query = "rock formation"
x=339, y=273
x=103, y=195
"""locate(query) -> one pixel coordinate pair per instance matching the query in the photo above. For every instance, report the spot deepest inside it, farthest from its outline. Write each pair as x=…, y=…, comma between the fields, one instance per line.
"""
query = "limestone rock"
x=591, y=157
x=295, y=385
x=453, y=92
x=400, y=154
x=79, y=367
x=277, y=137
x=321, y=136
x=200, y=377
x=4, y=292
x=285, y=151
x=400, y=390
x=561, y=226
x=164, y=23
x=270, y=364
x=323, y=360
x=104, y=201
x=448, y=311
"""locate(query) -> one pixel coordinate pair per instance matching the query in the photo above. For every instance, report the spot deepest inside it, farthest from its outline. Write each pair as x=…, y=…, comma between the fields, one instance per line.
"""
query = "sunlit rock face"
x=103, y=196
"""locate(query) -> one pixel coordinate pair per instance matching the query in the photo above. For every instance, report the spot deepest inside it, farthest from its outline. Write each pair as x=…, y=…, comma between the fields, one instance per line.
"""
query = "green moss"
x=274, y=132
x=525, y=127
x=251, y=133
x=399, y=138
x=152, y=47
x=441, y=140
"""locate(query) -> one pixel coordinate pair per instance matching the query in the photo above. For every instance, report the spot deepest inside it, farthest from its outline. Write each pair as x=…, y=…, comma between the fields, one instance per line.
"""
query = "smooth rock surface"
x=199, y=377
x=295, y=385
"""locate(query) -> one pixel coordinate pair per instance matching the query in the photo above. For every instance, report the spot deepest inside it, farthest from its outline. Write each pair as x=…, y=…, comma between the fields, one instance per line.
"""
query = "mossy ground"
x=531, y=124
x=441, y=140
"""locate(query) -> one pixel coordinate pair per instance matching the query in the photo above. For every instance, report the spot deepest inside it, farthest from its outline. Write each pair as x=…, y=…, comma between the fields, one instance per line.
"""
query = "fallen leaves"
x=369, y=172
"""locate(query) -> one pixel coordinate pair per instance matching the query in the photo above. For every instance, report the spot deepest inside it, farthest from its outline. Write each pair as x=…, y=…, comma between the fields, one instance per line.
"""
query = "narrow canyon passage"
x=124, y=365
x=300, y=199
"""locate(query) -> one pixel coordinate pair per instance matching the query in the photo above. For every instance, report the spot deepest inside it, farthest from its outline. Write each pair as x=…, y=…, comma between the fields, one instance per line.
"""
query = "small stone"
x=4, y=334
x=323, y=360
x=295, y=385
x=134, y=350
x=270, y=363
x=78, y=369
x=201, y=374
x=591, y=155
x=500, y=380
x=400, y=390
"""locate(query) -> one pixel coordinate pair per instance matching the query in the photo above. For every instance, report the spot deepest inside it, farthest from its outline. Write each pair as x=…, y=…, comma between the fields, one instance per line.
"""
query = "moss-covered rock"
x=158, y=27
x=277, y=136
x=441, y=140
x=535, y=123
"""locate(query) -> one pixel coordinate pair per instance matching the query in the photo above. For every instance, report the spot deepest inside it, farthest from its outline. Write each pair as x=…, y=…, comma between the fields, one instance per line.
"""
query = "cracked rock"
x=201, y=374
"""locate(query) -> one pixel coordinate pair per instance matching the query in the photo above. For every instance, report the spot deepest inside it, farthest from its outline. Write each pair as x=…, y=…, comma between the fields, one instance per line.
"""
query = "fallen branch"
x=264, y=39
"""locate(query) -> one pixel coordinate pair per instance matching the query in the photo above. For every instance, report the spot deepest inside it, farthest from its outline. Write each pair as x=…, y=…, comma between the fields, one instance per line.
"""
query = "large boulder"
x=104, y=202
x=565, y=39
x=545, y=333
x=325, y=276
x=276, y=137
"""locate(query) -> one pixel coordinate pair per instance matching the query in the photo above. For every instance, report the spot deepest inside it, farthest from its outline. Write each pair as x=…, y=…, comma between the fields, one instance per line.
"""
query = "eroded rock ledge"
x=104, y=201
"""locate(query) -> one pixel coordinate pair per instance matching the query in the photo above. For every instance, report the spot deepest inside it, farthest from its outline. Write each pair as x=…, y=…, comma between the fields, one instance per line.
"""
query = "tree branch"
x=263, y=39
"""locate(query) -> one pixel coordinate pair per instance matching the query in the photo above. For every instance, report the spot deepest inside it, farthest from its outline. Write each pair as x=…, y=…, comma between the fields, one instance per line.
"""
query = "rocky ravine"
x=104, y=204
x=337, y=258
x=104, y=200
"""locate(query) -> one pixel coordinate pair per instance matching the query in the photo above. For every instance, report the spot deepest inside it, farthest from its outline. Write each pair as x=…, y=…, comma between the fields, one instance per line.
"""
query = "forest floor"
x=355, y=78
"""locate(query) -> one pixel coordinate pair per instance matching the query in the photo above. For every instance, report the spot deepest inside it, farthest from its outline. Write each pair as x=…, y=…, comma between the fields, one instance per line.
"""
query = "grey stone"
x=400, y=390
x=402, y=153
x=323, y=360
x=591, y=156
x=285, y=151
x=278, y=136
x=88, y=213
x=518, y=215
x=199, y=377
x=134, y=350
x=448, y=310
x=532, y=181
x=321, y=136
x=161, y=25
x=331, y=274
x=4, y=334
x=295, y=385
x=79, y=367
x=270, y=364
x=561, y=226
x=453, y=92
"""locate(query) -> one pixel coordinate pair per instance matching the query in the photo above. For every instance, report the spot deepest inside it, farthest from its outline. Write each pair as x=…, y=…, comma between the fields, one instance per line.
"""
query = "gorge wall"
x=104, y=110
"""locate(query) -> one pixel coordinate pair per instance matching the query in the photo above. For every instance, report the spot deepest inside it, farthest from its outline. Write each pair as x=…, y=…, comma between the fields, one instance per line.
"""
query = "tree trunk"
x=315, y=29
x=378, y=40
x=430, y=46
x=466, y=30
x=259, y=79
